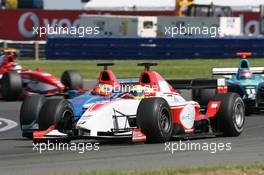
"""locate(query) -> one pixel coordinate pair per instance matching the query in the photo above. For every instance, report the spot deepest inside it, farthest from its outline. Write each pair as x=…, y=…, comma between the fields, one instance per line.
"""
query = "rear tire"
x=72, y=79
x=56, y=112
x=30, y=110
x=11, y=87
x=155, y=120
x=203, y=96
x=231, y=115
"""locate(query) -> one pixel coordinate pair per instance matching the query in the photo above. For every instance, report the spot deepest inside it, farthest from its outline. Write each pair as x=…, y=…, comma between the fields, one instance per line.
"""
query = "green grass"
x=213, y=170
x=167, y=68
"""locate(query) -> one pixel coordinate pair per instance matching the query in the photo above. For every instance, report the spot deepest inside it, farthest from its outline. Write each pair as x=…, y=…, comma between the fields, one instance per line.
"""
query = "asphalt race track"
x=17, y=155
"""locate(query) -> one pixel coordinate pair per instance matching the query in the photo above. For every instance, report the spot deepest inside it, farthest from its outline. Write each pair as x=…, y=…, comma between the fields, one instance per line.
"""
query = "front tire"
x=56, y=112
x=30, y=110
x=11, y=87
x=231, y=115
x=154, y=118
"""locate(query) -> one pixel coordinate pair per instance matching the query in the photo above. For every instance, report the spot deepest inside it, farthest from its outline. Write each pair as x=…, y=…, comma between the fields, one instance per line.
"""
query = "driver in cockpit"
x=103, y=90
x=138, y=92
x=245, y=74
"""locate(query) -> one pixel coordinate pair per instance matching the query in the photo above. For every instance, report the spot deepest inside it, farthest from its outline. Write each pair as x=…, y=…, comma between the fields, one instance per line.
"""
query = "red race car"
x=17, y=82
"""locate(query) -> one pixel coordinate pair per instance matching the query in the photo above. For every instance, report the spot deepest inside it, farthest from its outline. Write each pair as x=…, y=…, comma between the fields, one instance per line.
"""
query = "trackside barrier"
x=26, y=49
x=151, y=48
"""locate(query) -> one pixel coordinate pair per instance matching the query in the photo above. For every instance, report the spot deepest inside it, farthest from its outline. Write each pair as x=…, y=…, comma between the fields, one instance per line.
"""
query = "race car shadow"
x=256, y=113
x=109, y=142
x=13, y=139
x=193, y=137
x=115, y=142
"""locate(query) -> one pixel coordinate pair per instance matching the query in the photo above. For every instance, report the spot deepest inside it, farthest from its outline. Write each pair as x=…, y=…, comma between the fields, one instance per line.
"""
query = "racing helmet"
x=245, y=74
x=102, y=90
x=138, y=91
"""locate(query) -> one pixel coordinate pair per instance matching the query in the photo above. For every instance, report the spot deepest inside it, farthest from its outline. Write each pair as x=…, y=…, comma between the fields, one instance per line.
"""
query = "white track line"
x=10, y=124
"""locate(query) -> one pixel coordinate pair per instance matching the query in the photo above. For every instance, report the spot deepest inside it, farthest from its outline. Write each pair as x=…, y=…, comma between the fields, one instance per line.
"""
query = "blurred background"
x=132, y=29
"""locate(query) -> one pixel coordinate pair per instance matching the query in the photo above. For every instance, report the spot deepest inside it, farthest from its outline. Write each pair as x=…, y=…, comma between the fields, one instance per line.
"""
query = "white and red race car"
x=154, y=113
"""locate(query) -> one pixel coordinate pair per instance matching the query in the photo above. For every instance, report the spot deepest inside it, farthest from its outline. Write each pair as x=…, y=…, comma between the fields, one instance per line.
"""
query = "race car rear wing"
x=183, y=84
x=197, y=83
x=233, y=70
x=128, y=81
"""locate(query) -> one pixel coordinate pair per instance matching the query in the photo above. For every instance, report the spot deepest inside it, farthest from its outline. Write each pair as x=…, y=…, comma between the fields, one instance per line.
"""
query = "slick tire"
x=231, y=115
x=72, y=79
x=56, y=112
x=203, y=96
x=11, y=87
x=30, y=110
x=154, y=118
